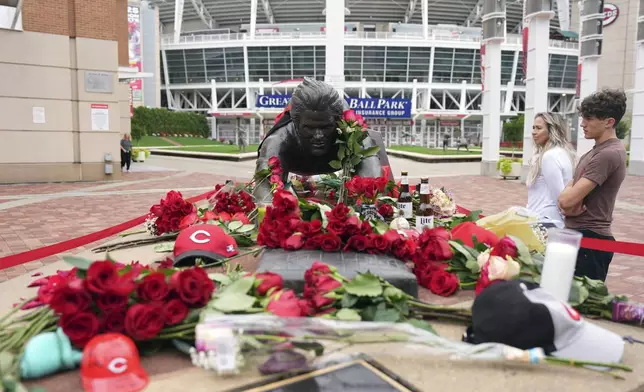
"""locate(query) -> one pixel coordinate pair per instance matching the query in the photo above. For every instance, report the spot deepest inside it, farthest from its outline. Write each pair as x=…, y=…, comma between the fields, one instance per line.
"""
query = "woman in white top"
x=551, y=167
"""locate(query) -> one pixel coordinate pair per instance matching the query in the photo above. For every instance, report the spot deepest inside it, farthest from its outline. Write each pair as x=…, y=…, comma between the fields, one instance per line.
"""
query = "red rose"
x=306, y=308
x=313, y=243
x=111, y=302
x=358, y=242
x=241, y=217
x=284, y=304
x=325, y=283
x=443, y=283
x=336, y=227
x=285, y=202
x=294, y=242
x=209, y=215
x=386, y=210
x=267, y=281
x=174, y=312
x=144, y=321
x=79, y=327
x=365, y=228
x=424, y=276
x=113, y=322
x=274, y=161
x=317, y=269
x=330, y=242
x=434, y=244
x=320, y=301
x=377, y=244
x=484, y=279
x=403, y=249
x=153, y=288
x=188, y=221
x=309, y=229
x=353, y=226
x=505, y=247
x=338, y=213
x=101, y=276
x=193, y=286
x=70, y=298
x=349, y=116
x=188, y=208
x=392, y=236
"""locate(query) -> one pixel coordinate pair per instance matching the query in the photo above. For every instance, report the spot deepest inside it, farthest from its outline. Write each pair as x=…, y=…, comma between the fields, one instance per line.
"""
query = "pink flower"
x=349, y=116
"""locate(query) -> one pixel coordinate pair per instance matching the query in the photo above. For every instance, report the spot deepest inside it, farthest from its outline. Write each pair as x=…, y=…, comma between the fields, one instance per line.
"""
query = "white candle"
x=559, y=269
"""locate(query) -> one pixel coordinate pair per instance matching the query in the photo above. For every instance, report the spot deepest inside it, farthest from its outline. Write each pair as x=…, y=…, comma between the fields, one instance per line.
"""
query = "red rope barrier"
x=64, y=246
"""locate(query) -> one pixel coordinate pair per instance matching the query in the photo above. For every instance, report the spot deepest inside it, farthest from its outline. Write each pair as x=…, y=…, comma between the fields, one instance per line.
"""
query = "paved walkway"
x=36, y=215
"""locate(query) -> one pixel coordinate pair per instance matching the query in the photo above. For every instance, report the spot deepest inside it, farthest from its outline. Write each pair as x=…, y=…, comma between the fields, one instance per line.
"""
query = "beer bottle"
x=424, y=213
x=404, y=198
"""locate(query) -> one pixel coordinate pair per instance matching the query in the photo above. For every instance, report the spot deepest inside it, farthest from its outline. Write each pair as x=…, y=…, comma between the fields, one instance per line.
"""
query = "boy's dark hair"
x=604, y=104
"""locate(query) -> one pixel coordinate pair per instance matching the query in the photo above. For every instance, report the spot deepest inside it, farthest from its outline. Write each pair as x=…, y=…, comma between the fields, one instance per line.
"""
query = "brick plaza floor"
x=32, y=216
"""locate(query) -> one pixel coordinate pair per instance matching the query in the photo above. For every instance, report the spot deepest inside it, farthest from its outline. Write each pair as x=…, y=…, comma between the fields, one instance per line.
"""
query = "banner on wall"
x=482, y=51
x=134, y=50
x=578, y=93
x=366, y=107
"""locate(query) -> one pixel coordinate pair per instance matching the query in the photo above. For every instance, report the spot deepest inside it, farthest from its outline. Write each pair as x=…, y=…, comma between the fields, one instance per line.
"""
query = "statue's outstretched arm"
x=272, y=146
x=369, y=167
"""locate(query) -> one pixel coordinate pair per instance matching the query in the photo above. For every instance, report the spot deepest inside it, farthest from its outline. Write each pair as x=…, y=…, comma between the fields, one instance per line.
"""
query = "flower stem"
x=13, y=311
x=470, y=284
x=575, y=363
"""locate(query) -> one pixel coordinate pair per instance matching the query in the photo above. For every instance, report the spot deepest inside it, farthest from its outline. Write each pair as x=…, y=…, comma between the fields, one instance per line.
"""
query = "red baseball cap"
x=208, y=242
x=111, y=363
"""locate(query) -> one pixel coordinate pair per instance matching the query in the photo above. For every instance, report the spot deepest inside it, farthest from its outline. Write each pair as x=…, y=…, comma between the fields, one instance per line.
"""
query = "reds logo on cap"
x=208, y=242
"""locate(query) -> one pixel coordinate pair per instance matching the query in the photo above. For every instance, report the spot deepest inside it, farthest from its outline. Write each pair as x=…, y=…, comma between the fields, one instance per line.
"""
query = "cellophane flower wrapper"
x=409, y=340
x=514, y=222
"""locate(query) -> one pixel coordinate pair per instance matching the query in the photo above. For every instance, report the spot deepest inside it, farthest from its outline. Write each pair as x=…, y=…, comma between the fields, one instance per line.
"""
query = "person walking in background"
x=551, y=167
x=126, y=152
x=445, y=140
x=462, y=142
x=241, y=140
x=589, y=199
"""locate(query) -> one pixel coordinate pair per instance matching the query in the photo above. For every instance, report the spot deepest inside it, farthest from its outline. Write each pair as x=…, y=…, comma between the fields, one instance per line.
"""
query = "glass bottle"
x=405, y=203
x=424, y=213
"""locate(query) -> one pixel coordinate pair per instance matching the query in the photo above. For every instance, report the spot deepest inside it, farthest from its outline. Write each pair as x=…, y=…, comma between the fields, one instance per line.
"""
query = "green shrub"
x=504, y=165
x=165, y=122
x=137, y=131
x=623, y=128
x=513, y=129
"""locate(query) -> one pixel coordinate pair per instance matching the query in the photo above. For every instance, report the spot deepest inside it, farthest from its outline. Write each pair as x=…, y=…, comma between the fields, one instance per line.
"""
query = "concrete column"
x=363, y=88
x=253, y=18
x=494, y=32
x=590, y=38
x=536, y=95
x=334, y=64
x=414, y=100
x=213, y=104
x=424, y=10
x=178, y=18
x=636, y=163
x=463, y=101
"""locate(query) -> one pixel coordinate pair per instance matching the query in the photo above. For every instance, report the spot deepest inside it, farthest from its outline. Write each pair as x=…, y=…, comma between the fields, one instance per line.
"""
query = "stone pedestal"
x=292, y=265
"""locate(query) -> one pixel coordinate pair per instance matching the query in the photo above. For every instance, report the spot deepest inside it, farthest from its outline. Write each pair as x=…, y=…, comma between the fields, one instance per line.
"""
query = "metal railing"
x=435, y=35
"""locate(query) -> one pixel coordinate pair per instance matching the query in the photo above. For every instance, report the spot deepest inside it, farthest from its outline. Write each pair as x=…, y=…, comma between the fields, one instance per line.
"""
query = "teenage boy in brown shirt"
x=589, y=199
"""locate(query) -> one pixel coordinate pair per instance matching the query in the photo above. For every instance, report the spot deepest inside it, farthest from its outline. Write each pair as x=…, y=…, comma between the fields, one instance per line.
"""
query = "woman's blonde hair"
x=557, y=137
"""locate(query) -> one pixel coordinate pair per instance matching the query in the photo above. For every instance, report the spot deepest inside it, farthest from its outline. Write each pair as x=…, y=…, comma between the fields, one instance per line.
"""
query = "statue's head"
x=316, y=107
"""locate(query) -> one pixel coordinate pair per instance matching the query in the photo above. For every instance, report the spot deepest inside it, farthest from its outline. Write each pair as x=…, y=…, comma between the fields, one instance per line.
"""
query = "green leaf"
x=79, y=262
x=394, y=294
x=578, y=293
x=310, y=346
x=364, y=285
x=348, y=315
x=6, y=362
x=348, y=300
x=371, y=151
x=381, y=227
x=355, y=160
x=240, y=286
x=220, y=278
x=233, y=302
x=164, y=247
x=422, y=324
x=341, y=152
x=245, y=229
x=235, y=225
x=369, y=313
x=462, y=250
x=473, y=266
x=387, y=315
x=337, y=165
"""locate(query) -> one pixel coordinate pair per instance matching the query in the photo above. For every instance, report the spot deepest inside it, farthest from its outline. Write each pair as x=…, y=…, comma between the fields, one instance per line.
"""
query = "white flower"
x=349, y=129
x=502, y=269
x=483, y=258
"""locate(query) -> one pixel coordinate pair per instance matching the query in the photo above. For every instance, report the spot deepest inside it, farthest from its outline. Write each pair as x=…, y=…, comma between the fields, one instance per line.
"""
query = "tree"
x=623, y=128
x=513, y=129
x=137, y=132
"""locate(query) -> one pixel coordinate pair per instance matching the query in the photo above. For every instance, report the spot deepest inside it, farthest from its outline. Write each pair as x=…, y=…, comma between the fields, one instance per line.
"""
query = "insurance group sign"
x=366, y=107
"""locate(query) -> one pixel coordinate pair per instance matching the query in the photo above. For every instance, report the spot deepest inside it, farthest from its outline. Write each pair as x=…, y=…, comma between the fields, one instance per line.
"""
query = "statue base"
x=292, y=265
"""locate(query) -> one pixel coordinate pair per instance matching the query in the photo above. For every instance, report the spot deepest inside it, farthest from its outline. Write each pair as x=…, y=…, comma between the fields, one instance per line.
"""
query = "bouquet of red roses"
x=166, y=216
x=104, y=296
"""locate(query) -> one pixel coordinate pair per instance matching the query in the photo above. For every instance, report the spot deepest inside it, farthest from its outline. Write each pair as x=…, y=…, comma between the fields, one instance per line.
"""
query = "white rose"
x=483, y=258
x=502, y=269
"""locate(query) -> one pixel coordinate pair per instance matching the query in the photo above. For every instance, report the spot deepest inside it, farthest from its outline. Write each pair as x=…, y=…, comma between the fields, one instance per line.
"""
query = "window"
x=11, y=15
x=215, y=68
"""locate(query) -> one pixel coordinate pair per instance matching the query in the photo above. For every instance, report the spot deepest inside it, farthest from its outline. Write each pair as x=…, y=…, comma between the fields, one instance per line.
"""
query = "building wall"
x=45, y=108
